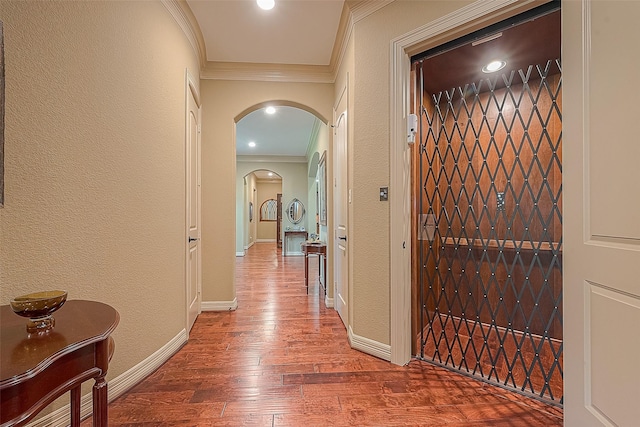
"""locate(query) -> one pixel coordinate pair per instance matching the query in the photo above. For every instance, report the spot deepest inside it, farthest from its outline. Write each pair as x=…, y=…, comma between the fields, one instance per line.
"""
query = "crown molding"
x=271, y=159
x=182, y=14
x=364, y=8
x=267, y=72
x=352, y=13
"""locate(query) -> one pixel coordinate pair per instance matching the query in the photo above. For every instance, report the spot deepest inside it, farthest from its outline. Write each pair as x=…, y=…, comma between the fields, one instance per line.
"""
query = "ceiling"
x=298, y=32
x=515, y=45
x=287, y=132
x=303, y=32
x=293, y=32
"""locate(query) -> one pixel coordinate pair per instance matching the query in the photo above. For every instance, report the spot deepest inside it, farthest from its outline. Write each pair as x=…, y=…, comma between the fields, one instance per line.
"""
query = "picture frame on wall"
x=322, y=189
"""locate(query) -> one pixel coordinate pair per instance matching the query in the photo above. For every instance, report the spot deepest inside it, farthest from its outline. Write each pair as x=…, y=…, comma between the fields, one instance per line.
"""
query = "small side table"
x=38, y=368
x=319, y=248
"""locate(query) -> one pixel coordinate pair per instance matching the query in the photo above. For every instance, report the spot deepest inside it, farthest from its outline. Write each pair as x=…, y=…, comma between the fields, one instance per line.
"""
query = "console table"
x=319, y=248
x=38, y=368
x=292, y=233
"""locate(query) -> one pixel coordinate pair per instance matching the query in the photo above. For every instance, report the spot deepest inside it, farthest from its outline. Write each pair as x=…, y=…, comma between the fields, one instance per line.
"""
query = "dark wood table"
x=38, y=368
x=319, y=248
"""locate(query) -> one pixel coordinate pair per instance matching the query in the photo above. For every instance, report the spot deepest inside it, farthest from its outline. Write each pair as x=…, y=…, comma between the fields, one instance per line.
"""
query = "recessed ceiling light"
x=266, y=4
x=252, y=144
x=494, y=66
x=270, y=110
x=270, y=173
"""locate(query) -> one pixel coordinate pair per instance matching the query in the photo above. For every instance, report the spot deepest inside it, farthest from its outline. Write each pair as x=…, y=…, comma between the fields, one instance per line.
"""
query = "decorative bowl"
x=38, y=307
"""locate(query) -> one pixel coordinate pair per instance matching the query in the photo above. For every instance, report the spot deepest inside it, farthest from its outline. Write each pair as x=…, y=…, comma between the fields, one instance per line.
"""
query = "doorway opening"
x=262, y=221
x=487, y=192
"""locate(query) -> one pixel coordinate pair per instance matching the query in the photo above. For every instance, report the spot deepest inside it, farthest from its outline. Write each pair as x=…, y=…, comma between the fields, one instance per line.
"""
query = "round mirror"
x=295, y=211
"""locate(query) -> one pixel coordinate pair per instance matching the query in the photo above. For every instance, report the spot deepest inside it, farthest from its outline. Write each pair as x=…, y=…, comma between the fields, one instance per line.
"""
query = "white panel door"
x=601, y=177
x=341, y=252
x=194, y=256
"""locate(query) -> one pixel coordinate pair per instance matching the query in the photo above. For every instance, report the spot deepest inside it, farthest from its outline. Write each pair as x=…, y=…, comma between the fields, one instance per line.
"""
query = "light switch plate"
x=384, y=194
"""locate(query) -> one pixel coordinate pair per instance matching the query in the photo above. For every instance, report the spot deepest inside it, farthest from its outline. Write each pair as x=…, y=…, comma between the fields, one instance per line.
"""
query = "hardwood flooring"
x=283, y=359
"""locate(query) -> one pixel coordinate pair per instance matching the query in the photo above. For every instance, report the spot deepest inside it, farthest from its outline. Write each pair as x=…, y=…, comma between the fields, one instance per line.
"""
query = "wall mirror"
x=295, y=211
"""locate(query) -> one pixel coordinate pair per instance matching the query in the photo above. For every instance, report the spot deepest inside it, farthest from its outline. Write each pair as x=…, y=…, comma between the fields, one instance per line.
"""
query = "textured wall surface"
x=369, y=158
x=222, y=102
x=95, y=181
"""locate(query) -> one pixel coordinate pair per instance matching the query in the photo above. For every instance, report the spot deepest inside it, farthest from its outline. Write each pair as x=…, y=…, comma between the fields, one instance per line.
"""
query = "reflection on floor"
x=283, y=359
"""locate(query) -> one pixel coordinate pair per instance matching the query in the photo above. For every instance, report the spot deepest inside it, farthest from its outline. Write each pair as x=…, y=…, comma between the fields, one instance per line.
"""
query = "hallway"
x=283, y=359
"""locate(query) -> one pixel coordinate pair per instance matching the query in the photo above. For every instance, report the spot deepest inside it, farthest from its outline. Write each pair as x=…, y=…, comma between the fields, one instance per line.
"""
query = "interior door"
x=601, y=60
x=341, y=257
x=194, y=269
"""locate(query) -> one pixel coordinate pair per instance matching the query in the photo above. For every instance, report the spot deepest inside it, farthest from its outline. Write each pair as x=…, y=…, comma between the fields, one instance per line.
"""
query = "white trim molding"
x=328, y=302
x=189, y=26
x=240, y=253
x=265, y=240
x=369, y=346
x=117, y=386
x=219, y=305
x=266, y=72
x=478, y=13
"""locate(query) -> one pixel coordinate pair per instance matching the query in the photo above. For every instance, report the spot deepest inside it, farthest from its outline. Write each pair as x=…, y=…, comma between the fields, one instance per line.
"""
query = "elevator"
x=487, y=206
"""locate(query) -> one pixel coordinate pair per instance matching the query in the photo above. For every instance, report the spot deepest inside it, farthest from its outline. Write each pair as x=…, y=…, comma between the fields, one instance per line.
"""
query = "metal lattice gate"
x=490, y=229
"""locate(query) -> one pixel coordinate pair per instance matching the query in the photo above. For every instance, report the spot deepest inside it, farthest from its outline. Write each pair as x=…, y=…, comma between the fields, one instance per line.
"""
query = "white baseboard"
x=328, y=302
x=369, y=346
x=240, y=253
x=265, y=240
x=219, y=305
x=248, y=246
x=118, y=385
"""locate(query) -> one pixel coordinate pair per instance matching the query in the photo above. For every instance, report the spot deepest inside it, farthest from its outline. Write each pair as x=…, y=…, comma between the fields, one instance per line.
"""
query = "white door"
x=601, y=177
x=194, y=270
x=341, y=253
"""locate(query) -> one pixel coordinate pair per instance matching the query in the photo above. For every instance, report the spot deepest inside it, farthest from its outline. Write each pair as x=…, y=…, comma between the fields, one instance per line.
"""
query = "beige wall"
x=94, y=162
x=223, y=101
x=369, y=158
x=267, y=230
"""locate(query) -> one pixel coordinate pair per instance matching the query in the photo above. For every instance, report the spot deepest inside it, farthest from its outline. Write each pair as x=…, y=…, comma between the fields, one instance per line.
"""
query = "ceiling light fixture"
x=252, y=144
x=266, y=4
x=494, y=66
x=270, y=110
x=270, y=173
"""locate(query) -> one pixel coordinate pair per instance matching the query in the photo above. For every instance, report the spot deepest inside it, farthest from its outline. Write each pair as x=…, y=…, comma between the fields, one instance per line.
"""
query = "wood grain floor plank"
x=283, y=359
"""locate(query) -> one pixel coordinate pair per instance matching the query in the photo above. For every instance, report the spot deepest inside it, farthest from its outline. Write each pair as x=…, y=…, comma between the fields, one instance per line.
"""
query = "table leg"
x=306, y=270
x=75, y=406
x=100, y=417
x=324, y=285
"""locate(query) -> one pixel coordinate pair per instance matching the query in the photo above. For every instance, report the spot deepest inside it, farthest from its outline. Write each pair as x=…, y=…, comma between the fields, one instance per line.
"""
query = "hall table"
x=35, y=369
x=319, y=248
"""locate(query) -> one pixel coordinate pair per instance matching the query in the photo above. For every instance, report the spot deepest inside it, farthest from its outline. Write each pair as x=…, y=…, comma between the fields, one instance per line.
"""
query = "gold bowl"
x=38, y=307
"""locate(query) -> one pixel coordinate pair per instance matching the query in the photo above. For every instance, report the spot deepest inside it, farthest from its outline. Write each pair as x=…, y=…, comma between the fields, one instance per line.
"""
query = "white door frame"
x=341, y=206
x=191, y=88
x=481, y=13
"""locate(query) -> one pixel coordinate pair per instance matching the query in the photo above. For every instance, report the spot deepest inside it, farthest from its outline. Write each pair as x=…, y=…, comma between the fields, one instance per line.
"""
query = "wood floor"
x=283, y=359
